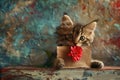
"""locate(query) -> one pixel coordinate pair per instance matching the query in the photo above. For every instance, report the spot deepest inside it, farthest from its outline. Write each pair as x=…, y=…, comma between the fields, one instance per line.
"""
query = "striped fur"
x=70, y=34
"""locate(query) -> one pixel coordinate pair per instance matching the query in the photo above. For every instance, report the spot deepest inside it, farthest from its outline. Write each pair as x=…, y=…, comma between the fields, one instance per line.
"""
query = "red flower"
x=75, y=53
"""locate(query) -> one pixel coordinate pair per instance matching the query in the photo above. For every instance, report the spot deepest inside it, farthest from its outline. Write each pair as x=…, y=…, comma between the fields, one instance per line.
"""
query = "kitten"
x=70, y=34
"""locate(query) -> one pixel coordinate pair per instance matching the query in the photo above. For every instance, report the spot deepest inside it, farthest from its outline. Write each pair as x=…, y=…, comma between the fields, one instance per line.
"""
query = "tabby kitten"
x=70, y=34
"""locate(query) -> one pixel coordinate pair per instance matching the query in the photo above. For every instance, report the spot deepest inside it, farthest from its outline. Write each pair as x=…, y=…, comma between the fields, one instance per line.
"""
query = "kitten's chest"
x=85, y=60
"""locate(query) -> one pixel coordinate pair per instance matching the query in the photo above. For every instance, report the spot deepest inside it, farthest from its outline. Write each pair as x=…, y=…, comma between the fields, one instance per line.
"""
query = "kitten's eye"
x=82, y=38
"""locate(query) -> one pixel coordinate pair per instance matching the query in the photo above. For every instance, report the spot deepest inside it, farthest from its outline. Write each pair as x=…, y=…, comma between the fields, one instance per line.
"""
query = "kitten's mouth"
x=85, y=43
x=78, y=44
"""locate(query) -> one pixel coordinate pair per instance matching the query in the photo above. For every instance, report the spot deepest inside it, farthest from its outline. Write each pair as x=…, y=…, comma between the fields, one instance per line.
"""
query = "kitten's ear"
x=91, y=26
x=66, y=20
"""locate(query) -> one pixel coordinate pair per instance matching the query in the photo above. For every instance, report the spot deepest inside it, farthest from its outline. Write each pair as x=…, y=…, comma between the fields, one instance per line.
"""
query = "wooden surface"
x=35, y=68
x=31, y=73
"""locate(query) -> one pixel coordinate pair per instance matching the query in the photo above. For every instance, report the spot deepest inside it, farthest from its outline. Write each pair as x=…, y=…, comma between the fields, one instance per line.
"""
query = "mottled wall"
x=27, y=29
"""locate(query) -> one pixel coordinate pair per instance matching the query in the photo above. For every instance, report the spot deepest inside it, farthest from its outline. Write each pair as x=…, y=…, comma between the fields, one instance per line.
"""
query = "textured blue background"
x=27, y=29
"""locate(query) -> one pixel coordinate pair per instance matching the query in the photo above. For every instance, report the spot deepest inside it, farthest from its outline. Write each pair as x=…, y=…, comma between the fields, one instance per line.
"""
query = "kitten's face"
x=84, y=35
x=81, y=34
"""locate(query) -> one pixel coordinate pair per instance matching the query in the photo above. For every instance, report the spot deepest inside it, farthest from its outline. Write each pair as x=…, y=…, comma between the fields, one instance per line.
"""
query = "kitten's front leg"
x=59, y=63
x=97, y=64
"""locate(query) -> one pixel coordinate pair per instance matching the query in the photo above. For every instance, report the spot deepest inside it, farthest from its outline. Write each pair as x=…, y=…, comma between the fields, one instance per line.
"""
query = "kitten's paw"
x=97, y=64
x=59, y=63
